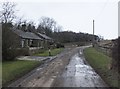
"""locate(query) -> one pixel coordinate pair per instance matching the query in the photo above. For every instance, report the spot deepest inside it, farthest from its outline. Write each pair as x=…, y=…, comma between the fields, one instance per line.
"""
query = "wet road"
x=46, y=73
x=79, y=73
x=68, y=69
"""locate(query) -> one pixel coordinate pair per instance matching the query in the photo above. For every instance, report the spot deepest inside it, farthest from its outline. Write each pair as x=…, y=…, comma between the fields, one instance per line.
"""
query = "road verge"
x=100, y=62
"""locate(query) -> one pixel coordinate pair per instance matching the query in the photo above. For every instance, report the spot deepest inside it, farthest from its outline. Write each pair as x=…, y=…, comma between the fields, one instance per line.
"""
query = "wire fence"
x=107, y=50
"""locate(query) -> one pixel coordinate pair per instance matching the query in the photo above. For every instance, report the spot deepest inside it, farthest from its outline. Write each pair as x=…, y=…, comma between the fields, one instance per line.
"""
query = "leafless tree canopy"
x=47, y=22
x=58, y=28
x=7, y=14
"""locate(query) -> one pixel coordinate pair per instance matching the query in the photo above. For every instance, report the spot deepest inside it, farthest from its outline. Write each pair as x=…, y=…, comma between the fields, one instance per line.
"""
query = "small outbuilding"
x=47, y=41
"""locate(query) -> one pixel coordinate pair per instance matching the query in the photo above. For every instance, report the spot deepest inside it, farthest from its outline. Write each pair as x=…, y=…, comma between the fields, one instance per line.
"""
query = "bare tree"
x=58, y=28
x=31, y=26
x=46, y=25
x=47, y=22
x=7, y=14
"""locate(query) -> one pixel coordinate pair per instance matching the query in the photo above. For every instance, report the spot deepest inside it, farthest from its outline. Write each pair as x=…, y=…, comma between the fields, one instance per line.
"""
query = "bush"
x=115, y=55
x=59, y=45
x=11, y=54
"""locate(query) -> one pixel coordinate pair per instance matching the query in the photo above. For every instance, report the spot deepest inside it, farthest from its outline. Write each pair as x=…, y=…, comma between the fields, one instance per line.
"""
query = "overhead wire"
x=103, y=8
x=86, y=24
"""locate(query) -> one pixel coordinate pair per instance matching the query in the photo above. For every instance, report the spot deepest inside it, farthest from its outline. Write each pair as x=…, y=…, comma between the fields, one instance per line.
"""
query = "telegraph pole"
x=93, y=27
x=93, y=33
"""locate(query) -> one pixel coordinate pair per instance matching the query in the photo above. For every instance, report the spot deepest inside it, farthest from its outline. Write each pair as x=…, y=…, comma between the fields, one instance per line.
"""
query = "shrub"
x=11, y=54
x=115, y=54
x=59, y=45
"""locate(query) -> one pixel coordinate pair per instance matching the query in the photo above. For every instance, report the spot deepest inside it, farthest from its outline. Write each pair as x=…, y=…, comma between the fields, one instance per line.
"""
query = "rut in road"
x=79, y=73
x=44, y=76
x=68, y=69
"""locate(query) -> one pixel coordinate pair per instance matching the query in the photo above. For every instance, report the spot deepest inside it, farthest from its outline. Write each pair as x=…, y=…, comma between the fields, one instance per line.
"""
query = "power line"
x=99, y=12
x=108, y=1
x=102, y=9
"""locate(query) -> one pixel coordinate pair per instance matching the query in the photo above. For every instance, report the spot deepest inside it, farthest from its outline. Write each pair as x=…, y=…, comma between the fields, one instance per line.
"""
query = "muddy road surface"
x=68, y=69
x=79, y=73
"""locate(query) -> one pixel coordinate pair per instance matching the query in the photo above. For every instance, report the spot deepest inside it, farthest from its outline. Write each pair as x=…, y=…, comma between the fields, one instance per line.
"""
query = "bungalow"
x=27, y=43
x=44, y=37
x=26, y=39
x=47, y=41
x=24, y=43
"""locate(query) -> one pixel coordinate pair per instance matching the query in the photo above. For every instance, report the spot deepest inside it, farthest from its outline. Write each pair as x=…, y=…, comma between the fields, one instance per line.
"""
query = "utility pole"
x=93, y=27
x=93, y=33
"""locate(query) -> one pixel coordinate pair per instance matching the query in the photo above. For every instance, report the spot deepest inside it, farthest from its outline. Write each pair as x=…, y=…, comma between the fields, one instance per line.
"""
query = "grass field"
x=100, y=63
x=12, y=70
x=53, y=52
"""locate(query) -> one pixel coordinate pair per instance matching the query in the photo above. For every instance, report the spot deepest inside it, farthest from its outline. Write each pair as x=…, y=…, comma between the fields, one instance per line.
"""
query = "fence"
x=107, y=50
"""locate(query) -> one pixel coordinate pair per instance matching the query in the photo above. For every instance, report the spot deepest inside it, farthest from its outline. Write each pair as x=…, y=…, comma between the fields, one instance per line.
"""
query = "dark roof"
x=32, y=35
x=26, y=35
x=44, y=36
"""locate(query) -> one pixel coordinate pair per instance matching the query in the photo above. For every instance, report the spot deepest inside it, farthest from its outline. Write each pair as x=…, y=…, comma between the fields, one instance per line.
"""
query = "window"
x=22, y=42
x=30, y=42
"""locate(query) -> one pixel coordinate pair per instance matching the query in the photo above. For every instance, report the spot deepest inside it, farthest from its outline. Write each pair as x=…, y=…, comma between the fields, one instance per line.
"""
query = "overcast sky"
x=75, y=15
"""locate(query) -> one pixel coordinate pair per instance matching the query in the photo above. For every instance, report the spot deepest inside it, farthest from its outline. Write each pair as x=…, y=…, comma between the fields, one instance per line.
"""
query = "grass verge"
x=54, y=52
x=100, y=62
x=12, y=70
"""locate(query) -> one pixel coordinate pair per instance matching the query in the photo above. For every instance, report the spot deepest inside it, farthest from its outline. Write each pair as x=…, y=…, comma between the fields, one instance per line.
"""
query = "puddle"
x=80, y=74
